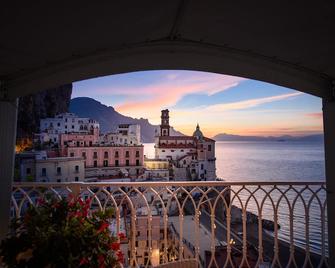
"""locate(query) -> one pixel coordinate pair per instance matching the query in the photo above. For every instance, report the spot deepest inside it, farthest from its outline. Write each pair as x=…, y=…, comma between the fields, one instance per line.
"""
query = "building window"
x=172, y=151
x=127, y=153
x=66, y=126
x=116, y=163
x=137, y=171
x=71, y=154
x=44, y=171
x=59, y=171
x=127, y=162
x=90, y=143
x=95, y=155
x=137, y=153
x=182, y=150
x=105, y=163
x=76, y=179
x=163, y=151
x=95, y=163
x=58, y=124
x=59, y=180
x=83, y=154
x=117, y=154
x=137, y=162
x=106, y=155
x=76, y=168
x=28, y=171
x=202, y=166
x=209, y=148
x=72, y=126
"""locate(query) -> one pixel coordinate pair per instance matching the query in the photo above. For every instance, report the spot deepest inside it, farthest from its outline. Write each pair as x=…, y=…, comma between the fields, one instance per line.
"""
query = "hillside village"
x=70, y=148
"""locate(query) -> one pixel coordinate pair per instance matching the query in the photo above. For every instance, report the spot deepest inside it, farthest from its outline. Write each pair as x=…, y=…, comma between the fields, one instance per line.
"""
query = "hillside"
x=109, y=118
x=46, y=103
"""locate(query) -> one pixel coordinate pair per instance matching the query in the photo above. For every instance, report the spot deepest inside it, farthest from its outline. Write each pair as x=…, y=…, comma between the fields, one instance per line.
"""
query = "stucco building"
x=191, y=157
x=36, y=166
x=51, y=128
x=126, y=134
x=104, y=161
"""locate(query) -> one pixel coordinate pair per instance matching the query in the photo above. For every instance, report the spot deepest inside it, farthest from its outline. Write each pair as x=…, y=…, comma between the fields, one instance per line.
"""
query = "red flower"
x=56, y=205
x=83, y=261
x=120, y=257
x=40, y=201
x=88, y=201
x=80, y=201
x=122, y=235
x=115, y=246
x=103, y=227
x=101, y=261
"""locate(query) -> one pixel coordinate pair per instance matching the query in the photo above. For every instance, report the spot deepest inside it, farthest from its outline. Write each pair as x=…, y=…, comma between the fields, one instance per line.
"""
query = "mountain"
x=46, y=103
x=230, y=137
x=109, y=118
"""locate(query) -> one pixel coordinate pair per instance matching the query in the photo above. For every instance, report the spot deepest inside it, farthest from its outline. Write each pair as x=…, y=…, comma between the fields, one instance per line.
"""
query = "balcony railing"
x=221, y=224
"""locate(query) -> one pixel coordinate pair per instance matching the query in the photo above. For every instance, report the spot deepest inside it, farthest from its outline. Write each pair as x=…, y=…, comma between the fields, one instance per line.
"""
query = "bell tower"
x=165, y=126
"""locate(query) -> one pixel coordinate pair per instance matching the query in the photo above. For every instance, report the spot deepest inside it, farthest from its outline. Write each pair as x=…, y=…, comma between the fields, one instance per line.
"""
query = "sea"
x=289, y=161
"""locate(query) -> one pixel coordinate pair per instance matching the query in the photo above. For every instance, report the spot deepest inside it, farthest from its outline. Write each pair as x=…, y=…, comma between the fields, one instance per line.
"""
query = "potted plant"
x=61, y=233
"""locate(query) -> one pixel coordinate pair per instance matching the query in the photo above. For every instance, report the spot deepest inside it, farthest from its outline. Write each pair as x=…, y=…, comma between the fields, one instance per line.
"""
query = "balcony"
x=220, y=224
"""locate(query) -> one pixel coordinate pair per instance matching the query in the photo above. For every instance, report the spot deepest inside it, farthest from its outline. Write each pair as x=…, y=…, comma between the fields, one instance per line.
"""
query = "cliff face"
x=46, y=103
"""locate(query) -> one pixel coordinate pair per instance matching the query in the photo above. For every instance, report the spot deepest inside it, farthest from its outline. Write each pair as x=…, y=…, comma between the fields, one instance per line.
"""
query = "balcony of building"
x=285, y=43
x=218, y=224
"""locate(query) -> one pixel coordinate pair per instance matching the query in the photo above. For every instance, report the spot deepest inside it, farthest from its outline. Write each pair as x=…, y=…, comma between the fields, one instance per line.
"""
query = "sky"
x=219, y=103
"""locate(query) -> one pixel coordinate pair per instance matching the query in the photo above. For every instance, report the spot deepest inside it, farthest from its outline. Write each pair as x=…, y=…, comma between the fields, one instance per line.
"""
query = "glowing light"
x=155, y=257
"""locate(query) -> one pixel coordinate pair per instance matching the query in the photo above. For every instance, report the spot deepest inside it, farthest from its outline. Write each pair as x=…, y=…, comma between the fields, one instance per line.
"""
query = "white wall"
x=67, y=166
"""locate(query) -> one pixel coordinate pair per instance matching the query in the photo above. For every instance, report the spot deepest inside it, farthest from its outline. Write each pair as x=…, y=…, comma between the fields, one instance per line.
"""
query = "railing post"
x=76, y=189
x=329, y=139
x=8, y=119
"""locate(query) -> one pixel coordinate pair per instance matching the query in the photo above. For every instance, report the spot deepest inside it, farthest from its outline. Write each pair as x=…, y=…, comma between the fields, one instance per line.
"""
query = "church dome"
x=198, y=134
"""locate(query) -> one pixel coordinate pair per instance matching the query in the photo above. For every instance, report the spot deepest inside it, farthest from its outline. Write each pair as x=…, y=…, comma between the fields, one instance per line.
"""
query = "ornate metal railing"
x=225, y=224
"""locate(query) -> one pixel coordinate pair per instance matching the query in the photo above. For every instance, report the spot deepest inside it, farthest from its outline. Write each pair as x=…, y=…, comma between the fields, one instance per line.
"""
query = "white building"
x=191, y=157
x=51, y=128
x=126, y=134
x=38, y=167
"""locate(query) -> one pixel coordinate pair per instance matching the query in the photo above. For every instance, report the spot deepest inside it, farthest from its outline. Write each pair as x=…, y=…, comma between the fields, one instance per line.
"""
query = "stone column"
x=329, y=135
x=8, y=118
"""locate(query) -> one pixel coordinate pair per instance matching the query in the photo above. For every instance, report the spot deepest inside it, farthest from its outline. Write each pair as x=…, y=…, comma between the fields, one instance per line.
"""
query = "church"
x=190, y=157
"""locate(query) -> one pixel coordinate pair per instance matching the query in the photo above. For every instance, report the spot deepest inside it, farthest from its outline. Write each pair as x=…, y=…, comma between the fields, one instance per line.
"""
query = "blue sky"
x=219, y=103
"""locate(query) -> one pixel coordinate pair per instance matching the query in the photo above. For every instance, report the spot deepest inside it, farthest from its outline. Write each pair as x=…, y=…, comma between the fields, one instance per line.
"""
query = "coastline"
x=284, y=248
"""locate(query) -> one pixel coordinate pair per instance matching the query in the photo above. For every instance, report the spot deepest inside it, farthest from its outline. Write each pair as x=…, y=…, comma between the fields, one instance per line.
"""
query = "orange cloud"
x=314, y=115
x=169, y=91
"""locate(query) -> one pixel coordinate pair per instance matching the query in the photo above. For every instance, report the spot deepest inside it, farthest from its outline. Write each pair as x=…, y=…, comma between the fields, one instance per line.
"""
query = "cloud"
x=170, y=89
x=241, y=105
x=314, y=115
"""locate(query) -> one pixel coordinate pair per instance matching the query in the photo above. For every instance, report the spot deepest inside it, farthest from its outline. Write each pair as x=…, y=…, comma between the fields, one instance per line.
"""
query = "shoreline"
x=284, y=247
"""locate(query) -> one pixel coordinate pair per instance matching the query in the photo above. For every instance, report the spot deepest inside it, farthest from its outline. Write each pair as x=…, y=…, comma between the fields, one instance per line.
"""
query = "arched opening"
x=277, y=43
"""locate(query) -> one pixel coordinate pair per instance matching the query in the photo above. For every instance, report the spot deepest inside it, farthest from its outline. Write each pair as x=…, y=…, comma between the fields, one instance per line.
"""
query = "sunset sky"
x=219, y=103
